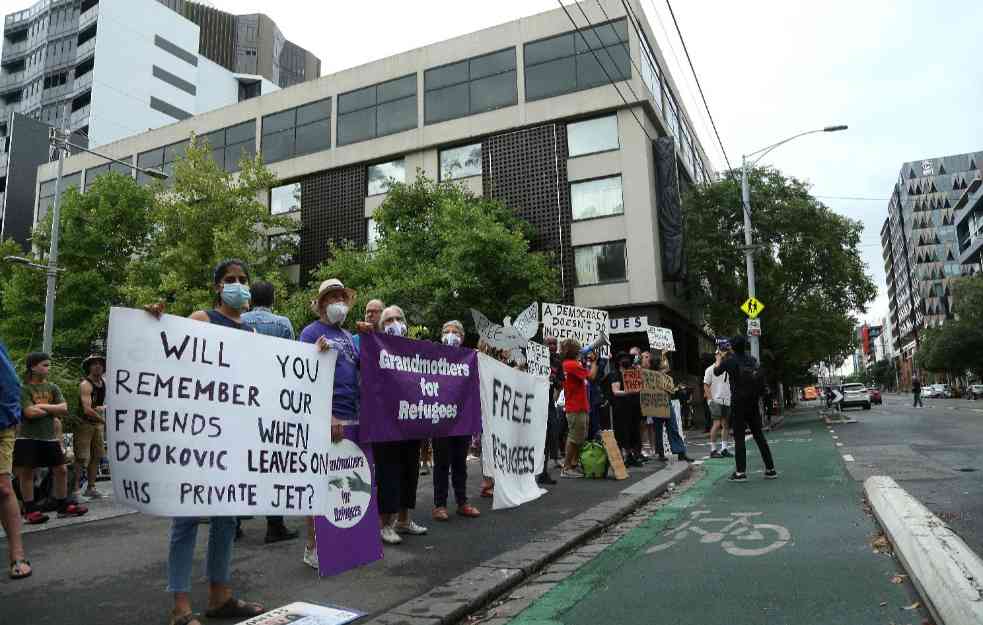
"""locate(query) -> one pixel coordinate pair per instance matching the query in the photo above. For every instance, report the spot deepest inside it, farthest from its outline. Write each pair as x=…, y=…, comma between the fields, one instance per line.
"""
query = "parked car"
x=875, y=396
x=933, y=391
x=855, y=395
x=975, y=391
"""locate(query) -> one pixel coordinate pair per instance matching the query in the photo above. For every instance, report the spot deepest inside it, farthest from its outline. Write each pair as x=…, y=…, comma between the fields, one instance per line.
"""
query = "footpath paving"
x=800, y=549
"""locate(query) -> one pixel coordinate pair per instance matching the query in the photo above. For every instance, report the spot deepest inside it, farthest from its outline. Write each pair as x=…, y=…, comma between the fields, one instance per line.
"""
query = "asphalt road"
x=112, y=571
x=935, y=452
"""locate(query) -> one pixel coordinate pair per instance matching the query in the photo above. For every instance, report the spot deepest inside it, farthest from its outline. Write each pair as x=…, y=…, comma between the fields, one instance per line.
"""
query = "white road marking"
x=839, y=444
x=835, y=438
x=848, y=457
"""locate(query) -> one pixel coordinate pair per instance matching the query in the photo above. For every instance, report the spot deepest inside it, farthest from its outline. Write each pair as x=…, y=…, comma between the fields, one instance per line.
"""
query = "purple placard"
x=417, y=390
x=349, y=536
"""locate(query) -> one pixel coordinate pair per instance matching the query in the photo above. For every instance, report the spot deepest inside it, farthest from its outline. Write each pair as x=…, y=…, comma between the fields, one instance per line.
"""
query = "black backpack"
x=750, y=380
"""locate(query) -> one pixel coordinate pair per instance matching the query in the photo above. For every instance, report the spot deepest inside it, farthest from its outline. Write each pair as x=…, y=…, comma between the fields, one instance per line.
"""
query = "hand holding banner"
x=204, y=420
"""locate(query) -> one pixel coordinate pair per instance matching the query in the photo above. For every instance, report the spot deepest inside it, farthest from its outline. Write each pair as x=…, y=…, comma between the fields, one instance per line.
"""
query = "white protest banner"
x=627, y=325
x=513, y=415
x=511, y=336
x=538, y=359
x=561, y=321
x=204, y=420
x=661, y=338
x=301, y=613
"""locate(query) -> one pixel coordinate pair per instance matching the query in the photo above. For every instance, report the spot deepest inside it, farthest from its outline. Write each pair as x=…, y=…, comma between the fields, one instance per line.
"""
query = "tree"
x=101, y=231
x=204, y=217
x=956, y=346
x=809, y=272
x=440, y=252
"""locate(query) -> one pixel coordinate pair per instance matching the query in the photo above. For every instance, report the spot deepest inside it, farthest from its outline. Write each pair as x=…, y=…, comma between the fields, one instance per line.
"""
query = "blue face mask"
x=235, y=295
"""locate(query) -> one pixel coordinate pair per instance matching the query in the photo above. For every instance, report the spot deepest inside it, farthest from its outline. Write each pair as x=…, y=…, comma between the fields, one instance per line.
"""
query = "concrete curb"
x=946, y=572
x=471, y=591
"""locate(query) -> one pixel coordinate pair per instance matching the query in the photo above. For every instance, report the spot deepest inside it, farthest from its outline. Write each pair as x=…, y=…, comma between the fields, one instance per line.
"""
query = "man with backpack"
x=746, y=387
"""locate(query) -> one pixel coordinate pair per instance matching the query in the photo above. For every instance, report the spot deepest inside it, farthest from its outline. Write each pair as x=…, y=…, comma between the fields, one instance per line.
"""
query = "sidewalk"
x=803, y=555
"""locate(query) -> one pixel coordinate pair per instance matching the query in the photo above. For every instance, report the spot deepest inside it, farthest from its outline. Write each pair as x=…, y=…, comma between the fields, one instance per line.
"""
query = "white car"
x=855, y=395
x=932, y=391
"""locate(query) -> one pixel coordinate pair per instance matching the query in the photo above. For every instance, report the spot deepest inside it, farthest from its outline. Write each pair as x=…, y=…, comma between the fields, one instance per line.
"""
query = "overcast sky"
x=905, y=76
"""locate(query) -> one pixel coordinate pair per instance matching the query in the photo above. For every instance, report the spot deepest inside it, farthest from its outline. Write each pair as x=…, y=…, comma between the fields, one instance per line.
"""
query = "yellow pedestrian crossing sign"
x=752, y=308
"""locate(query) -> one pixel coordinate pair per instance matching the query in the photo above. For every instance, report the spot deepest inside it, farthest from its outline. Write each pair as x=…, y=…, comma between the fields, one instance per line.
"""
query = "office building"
x=108, y=69
x=524, y=112
x=922, y=251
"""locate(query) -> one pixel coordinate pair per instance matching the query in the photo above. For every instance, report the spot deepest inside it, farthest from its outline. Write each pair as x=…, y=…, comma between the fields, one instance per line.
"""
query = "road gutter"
x=471, y=591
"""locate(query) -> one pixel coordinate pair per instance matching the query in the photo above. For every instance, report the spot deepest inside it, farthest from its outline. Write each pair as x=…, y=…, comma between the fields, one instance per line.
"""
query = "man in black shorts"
x=37, y=443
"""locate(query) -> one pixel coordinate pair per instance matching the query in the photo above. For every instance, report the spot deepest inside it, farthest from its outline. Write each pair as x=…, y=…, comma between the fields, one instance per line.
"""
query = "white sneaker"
x=571, y=474
x=389, y=536
x=310, y=556
x=410, y=528
x=93, y=494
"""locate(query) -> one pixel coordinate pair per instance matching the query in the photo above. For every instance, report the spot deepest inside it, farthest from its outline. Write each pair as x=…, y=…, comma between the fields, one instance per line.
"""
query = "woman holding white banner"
x=231, y=286
x=451, y=453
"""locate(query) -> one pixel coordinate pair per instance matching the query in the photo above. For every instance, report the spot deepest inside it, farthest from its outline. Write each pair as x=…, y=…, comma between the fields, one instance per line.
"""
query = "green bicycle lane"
x=808, y=561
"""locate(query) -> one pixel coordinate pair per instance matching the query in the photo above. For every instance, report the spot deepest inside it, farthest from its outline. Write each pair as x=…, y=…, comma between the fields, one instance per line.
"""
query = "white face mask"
x=336, y=313
x=396, y=328
x=451, y=339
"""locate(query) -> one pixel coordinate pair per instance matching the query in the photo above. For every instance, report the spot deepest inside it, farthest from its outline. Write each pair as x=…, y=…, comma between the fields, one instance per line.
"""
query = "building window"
x=371, y=235
x=601, y=263
x=46, y=192
x=476, y=85
x=230, y=145
x=567, y=62
x=376, y=111
x=382, y=175
x=92, y=173
x=460, y=162
x=592, y=135
x=295, y=132
x=285, y=199
x=597, y=198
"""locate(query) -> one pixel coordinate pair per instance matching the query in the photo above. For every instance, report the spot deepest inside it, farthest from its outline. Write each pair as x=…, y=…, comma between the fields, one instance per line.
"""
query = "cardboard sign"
x=414, y=390
x=538, y=359
x=654, y=396
x=561, y=321
x=661, y=339
x=615, y=460
x=514, y=410
x=205, y=420
x=348, y=535
x=632, y=380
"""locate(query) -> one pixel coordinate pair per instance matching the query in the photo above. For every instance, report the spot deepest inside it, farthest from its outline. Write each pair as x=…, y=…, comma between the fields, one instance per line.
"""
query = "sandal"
x=235, y=608
x=488, y=491
x=16, y=572
x=185, y=619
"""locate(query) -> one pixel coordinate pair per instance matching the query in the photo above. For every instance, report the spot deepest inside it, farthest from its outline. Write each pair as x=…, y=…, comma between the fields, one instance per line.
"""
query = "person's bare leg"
x=77, y=480
x=571, y=459
x=309, y=521
x=182, y=604
x=218, y=594
x=713, y=432
x=60, y=478
x=25, y=478
x=93, y=473
x=10, y=516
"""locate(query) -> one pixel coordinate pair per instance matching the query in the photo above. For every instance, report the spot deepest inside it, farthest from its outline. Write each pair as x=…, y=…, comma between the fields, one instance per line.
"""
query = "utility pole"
x=58, y=137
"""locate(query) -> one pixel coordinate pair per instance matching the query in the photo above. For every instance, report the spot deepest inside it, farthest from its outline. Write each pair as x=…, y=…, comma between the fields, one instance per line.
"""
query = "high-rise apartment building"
x=527, y=112
x=108, y=69
x=923, y=252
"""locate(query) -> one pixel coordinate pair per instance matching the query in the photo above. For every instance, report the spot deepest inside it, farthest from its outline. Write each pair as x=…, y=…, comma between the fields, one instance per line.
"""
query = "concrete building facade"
x=107, y=69
x=524, y=112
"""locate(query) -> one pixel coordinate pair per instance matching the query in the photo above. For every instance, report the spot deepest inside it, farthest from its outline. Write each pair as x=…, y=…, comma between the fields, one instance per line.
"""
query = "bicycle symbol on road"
x=738, y=537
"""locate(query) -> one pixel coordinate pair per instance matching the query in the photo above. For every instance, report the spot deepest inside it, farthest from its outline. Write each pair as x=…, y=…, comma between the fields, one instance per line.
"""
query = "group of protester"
x=585, y=396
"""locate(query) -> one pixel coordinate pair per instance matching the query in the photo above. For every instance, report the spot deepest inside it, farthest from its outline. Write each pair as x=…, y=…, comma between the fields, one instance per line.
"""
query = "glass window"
x=601, y=263
x=382, y=175
x=314, y=137
x=297, y=131
x=285, y=198
x=95, y=172
x=460, y=162
x=279, y=121
x=592, y=135
x=371, y=235
x=472, y=86
x=577, y=60
x=597, y=198
x=379, y=110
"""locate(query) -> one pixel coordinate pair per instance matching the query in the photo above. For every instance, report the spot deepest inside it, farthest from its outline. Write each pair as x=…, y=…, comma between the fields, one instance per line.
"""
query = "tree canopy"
x=956, y=346
x=809, y=272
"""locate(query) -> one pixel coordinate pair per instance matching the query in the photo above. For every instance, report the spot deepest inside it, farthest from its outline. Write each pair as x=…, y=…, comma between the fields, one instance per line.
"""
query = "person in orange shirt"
x=577, y=407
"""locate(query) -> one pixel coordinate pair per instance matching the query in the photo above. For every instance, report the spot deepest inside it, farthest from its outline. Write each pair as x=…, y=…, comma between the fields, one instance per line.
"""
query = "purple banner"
x=417, y=390
x=348, y=536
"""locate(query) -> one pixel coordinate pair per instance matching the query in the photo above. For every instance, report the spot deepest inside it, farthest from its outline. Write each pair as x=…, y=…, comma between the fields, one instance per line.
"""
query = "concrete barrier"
x=947, y=573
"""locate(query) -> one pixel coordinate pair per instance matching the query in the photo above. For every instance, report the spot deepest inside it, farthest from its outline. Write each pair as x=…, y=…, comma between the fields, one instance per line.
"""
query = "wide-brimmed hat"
x=91, y=359
x=334, y=284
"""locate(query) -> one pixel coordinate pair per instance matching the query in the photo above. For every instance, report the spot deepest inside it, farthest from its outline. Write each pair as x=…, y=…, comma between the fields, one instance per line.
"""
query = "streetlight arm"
x=764, y=151
x=153, y=173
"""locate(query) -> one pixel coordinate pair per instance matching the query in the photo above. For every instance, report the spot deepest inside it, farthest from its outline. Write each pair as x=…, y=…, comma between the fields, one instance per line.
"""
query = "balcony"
x=83, y=82
x=9, y=82
x=12, y=51
x=80, y=117
x=89, y=17
x=16, y=21
x=85, y=50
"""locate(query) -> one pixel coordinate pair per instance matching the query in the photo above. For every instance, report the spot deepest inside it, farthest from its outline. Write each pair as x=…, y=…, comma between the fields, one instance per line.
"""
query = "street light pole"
x=746, y=207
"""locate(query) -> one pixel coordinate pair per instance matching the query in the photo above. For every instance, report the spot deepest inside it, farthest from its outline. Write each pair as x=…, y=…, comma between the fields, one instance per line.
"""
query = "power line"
x=698, y=86
x=604, y=69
